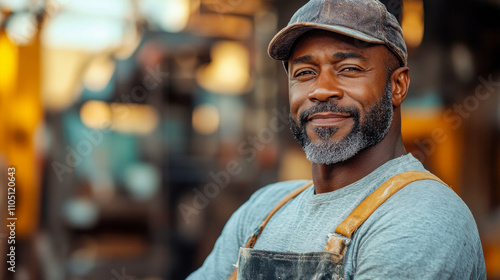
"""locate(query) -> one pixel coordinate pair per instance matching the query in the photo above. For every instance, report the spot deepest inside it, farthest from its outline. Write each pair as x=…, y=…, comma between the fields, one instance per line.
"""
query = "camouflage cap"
x=365, y=20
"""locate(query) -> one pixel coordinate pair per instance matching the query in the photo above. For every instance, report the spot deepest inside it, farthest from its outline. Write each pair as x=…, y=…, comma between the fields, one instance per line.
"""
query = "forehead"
x=323, y=40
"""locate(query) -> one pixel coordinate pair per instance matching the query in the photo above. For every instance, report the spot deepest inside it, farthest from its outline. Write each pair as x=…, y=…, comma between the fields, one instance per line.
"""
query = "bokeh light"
x=229, y=70
x=96, y=115
x=206, y=119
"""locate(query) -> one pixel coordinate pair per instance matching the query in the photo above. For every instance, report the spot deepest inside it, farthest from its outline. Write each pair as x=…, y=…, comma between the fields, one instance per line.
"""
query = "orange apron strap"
x=234, y=275
x=253, y=239
x=347, y=227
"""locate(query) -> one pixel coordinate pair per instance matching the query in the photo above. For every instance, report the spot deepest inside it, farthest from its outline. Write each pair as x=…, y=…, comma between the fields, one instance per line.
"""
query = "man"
x=372, y=211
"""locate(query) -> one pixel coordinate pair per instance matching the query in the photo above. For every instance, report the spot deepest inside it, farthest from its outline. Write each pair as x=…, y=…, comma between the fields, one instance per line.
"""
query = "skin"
x=326, y=66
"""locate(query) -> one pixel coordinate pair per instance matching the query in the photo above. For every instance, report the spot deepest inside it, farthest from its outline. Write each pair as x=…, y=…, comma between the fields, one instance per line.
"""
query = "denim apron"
x=264, y=265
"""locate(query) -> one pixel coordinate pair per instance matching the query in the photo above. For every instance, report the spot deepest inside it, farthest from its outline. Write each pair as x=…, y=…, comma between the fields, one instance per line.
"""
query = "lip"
x=327, y=119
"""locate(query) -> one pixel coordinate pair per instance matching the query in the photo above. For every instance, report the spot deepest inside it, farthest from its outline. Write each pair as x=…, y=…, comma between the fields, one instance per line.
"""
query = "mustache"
x=328, y=107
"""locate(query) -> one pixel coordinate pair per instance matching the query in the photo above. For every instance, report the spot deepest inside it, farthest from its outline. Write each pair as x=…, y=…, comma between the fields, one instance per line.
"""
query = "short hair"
x=393, y=63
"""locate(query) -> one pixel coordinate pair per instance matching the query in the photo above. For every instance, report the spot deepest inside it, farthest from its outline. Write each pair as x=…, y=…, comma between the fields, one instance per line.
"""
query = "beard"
x=364, y=133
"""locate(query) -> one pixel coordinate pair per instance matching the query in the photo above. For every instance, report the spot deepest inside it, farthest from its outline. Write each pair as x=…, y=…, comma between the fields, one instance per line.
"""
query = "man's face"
x=340, y=96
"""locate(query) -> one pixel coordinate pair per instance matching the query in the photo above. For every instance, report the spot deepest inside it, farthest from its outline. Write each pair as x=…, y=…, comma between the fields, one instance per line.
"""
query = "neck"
x=332, y=177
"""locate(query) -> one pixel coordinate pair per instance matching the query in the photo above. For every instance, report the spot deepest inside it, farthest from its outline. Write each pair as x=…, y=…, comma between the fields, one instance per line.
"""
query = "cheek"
x=294, y=99
x=364, y=97
x=298, y=103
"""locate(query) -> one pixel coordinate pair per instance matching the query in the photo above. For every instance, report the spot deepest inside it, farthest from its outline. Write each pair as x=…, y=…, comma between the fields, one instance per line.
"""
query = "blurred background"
x=137, y=127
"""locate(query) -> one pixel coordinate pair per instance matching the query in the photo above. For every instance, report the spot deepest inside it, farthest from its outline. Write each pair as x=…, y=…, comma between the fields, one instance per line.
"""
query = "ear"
x=400, y=82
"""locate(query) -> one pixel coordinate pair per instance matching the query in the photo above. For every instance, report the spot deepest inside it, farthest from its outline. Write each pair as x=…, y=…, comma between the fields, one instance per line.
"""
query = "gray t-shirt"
x=424, y=231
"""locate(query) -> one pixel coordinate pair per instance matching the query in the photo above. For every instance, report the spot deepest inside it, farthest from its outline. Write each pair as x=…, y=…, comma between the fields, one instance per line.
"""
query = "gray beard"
x=363, y=135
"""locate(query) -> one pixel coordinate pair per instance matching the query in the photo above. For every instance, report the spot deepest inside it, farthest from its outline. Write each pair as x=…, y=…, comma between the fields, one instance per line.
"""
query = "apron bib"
x=261, y=265
x=265, y=265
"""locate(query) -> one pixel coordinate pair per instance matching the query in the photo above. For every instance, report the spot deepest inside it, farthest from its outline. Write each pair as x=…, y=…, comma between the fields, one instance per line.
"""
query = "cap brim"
x=281, y=44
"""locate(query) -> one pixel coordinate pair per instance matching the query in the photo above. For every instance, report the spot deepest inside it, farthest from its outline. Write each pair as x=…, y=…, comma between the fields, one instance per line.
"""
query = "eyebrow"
x=339, y=56
x=302, y=59
x=346, y=55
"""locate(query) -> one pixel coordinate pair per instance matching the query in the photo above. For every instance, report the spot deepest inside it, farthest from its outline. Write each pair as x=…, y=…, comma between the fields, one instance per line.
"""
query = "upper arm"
x=219, y=263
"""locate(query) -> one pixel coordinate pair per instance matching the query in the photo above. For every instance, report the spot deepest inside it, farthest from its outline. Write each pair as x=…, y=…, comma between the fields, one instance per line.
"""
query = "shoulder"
x=426, y=208
x=424, y=226
x=427, y=201
x=266, y=198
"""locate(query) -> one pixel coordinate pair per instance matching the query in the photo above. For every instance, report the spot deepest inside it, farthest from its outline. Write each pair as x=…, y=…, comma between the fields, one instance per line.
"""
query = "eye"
x=350, y=69
x=304, y=73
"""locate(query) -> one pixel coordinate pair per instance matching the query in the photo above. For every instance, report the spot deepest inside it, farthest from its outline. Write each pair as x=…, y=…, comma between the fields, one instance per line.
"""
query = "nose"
x=325, y=89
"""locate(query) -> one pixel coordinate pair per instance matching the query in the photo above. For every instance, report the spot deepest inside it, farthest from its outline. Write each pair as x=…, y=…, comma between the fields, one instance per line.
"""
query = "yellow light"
x=96, y=114
x=214, y=25
x=61, y=72
x=206, y=119
x=120, y=117
x=176, y=15
x=228, y=71
x=9, y=68
x=26, y=109
x=133, y=118
x=98, y=73
x=413, y=22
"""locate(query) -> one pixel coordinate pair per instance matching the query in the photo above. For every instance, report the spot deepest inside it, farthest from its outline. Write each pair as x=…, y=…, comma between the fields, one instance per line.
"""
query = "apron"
x=264, y=265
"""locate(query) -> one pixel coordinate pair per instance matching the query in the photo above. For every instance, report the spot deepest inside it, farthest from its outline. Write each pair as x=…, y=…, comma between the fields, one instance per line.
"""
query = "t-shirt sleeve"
x=425, y=231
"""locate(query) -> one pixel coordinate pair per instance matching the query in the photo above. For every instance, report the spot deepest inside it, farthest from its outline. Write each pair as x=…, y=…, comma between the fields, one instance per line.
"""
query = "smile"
x=327, y=119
